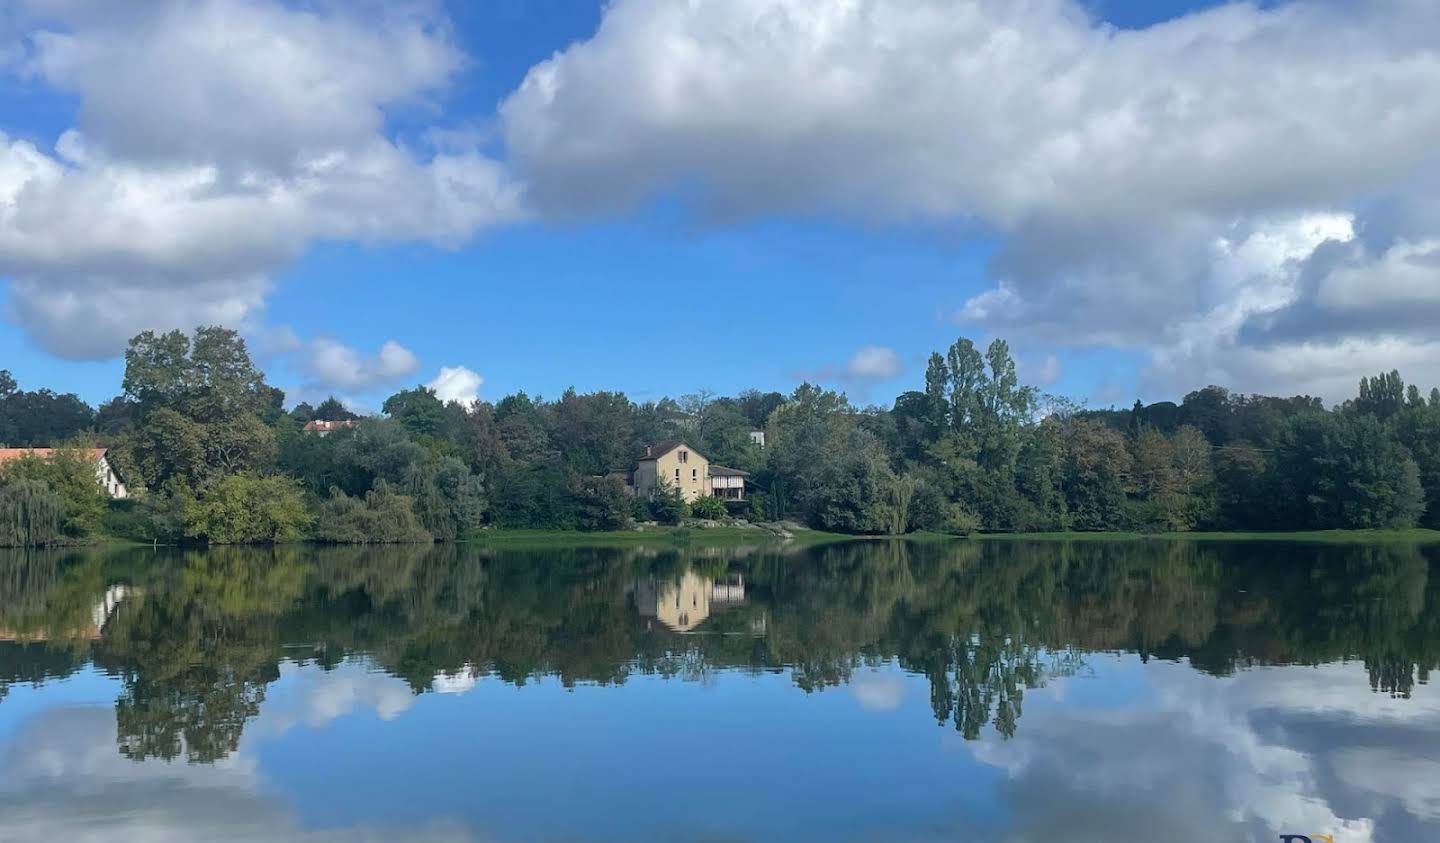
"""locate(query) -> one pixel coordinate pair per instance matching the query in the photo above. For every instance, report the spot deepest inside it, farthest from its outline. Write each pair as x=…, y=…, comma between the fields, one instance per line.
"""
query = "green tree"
x=332, y=410
x=31, y=515
x=168, y=447
x=1347, y=471
x=381, y=517
x=602, y=504
x=206, y=378
x=667, y=504
x=245, y=509
x=1382, y=396
x=1418, y=429
x=41, y=418
x=594, y=433
x=1095, y=475
x=418, y=410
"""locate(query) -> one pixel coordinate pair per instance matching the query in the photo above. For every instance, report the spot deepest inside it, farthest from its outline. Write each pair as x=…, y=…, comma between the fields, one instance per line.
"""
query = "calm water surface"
x=868, y=691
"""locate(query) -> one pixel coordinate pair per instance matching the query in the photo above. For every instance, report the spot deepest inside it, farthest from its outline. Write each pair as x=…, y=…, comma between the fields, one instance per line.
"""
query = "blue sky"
x=608, y=237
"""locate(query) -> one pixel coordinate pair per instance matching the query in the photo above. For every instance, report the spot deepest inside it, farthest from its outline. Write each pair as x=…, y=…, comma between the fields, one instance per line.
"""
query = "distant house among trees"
x=325, y=428
x=681, y=467
x=105, y=473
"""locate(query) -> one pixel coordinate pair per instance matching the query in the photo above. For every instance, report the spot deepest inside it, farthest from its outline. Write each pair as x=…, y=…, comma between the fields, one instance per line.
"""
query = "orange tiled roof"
x=9, y=454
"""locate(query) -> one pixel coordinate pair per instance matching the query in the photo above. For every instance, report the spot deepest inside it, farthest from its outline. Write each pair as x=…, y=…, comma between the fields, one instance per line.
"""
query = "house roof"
x=722, y=471
x=11, y=454
x=660, y=449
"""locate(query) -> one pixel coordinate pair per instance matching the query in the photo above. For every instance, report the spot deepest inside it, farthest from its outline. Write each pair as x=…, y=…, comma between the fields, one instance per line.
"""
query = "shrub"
x=959, y=520
x=710, y=508
x=244, y=509
x=125, y=519
x=602, y=504
x=30, y=514
x=668, y=505
x=381, y=517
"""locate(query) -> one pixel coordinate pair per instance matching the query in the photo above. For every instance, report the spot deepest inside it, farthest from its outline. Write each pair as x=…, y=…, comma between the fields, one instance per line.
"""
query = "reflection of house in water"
x=684, y=603
x=100, y=614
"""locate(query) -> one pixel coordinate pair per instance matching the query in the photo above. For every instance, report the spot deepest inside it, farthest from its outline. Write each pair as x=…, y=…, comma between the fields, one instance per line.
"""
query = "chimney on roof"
x=647, y=449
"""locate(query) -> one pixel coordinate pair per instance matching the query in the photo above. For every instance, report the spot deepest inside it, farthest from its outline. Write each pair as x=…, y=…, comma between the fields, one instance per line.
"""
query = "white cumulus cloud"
x=215, y=142
x=1108, y=164
x=457, y=383
x=333, y=365
x=874, y=362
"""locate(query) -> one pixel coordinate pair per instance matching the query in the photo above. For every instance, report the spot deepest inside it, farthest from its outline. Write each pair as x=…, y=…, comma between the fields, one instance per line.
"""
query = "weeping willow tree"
x=30, y=514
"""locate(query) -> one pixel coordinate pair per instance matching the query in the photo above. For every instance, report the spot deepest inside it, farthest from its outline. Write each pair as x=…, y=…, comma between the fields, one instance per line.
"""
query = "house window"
x=677, y=475
x=694, y=474
x=684, y=456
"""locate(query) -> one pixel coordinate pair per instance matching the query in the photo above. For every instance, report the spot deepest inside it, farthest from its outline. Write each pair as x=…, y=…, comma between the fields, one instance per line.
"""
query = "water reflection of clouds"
x=1202, y=753
x=878, y=690
x=63, y=778
x=316, y=697
x=1192, y=758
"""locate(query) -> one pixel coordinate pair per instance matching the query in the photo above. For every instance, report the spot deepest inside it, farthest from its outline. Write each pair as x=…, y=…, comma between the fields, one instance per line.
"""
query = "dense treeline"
x=214, y=456
x=200, y=635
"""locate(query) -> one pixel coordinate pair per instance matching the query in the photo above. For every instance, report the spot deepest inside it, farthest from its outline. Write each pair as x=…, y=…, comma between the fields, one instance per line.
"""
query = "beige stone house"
x=684, y=468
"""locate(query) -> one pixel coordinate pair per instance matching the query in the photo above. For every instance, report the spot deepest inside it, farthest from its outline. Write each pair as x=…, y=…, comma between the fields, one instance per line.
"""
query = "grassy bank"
x=654, y=535
x=1322, y=536
x=737, y=535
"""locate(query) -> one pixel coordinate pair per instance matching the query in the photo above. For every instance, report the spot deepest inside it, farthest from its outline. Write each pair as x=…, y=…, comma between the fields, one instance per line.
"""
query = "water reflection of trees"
x=204, y=634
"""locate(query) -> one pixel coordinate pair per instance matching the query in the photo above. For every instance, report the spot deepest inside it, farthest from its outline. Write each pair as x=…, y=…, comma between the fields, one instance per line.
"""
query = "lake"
x=861, y=691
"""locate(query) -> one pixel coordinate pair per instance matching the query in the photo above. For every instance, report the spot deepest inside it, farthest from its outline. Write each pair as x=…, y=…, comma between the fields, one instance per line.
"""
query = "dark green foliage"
x=197, y=410
x=128, y=520
x=857, y=492
x=535, y=495
x=1338, y=470
x=668, y=505
x=41, y=418
x=708, y=507
x=594, y=433
x=207, y=378
x=1418, y=429
x=1382, y=396
x=1095, y=473
x=31, y=515
x=381, y=517
x=971, y=450
x=332, y=410
x=449, y=500
x=418, y=411
x=244, y=509
x=602, y=504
